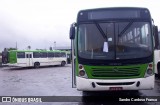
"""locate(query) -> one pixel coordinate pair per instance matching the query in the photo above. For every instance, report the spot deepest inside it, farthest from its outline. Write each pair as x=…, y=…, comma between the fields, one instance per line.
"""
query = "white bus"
x=34, y=58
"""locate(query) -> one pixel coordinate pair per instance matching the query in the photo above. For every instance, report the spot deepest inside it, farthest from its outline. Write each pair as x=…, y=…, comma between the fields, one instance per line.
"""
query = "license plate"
x=115, y=88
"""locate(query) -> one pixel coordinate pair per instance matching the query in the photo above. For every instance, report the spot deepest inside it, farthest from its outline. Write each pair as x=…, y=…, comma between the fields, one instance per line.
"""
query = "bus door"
x=29, y=56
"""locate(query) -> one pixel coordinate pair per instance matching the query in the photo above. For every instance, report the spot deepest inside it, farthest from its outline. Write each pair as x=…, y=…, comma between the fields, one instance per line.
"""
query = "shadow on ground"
x=31, y=68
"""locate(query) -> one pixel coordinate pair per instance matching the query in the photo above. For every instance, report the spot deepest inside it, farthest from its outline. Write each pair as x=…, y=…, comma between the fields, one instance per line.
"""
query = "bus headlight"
x=149, y=70
x=82, y=72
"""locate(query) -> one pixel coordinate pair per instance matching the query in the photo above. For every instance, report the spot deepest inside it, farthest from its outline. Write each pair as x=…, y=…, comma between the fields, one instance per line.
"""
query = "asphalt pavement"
x=55, y=82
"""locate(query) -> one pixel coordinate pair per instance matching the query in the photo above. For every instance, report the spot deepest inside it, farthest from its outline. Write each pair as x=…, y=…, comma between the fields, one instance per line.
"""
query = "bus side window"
x=50, y=54
x=56, y=54
x=20, y=55
x=36, y=55
x=53, y=54
x=63, y=54
x=43, y=55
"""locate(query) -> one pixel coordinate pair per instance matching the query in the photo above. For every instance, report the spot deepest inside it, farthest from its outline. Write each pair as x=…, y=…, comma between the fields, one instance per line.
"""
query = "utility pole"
x=16, y=46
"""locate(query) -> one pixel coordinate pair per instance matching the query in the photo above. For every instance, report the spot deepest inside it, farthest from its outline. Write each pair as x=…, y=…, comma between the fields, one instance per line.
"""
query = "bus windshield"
x=114, y=40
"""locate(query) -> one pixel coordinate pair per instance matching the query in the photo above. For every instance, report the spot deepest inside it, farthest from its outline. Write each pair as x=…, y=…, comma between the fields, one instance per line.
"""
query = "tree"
x=29, y=47
x=11, y=49
x=50, y=48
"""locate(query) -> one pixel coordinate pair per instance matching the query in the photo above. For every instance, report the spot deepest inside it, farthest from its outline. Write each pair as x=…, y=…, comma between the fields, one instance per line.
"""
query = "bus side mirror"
x=72, y=31
x=156, y=37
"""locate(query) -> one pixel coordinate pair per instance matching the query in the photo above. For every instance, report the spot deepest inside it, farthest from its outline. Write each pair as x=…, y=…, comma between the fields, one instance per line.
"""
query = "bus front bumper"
x=84, y=84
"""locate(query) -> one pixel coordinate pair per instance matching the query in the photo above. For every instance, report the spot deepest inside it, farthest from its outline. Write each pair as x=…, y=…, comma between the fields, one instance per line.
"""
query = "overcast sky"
x=40, y=23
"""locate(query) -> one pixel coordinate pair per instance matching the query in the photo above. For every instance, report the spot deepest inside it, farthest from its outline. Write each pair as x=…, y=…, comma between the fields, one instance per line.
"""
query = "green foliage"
x=9, y=49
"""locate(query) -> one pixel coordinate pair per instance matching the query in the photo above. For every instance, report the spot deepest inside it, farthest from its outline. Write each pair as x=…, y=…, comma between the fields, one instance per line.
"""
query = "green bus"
x=113, y=49
x=34, y=58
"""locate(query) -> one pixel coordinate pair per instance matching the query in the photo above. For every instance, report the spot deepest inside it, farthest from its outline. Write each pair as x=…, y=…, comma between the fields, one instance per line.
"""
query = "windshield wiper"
x=125, y=28
x=101, y=31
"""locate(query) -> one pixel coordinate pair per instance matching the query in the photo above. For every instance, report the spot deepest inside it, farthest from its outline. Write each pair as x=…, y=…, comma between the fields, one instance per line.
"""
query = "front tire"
x=63, y=63
x=36, y=65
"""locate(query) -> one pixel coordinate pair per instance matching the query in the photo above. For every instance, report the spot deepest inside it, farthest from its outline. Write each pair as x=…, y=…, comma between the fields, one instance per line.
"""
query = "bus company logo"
x=6, y=99
x=115, y=69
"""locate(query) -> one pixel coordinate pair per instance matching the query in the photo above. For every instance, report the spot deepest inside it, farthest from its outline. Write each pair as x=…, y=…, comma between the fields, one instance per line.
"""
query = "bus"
x=113, y=49
x=157, y=58
x=35, y=58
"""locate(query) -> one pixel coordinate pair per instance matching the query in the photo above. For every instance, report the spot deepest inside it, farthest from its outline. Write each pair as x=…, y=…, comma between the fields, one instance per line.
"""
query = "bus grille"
x=118, y=72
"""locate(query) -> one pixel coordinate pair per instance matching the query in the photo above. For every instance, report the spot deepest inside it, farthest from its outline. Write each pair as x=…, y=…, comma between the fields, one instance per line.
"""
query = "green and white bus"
x=113, y=49
x=34, y=58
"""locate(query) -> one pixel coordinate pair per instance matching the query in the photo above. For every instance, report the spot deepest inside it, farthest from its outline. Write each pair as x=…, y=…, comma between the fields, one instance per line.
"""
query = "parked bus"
x=157, y=58
x=34, y=58
x=113, y=49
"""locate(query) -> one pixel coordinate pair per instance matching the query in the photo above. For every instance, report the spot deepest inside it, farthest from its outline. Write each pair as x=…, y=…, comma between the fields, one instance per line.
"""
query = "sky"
x=45, y=23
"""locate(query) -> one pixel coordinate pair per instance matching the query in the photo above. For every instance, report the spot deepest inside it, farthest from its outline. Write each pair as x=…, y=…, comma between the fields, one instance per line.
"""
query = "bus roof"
x=113, y=13
x=113, y=8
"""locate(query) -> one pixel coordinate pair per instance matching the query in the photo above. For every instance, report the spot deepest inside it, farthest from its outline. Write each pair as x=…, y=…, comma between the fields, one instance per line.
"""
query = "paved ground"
x=54, y=81
x=46, y=81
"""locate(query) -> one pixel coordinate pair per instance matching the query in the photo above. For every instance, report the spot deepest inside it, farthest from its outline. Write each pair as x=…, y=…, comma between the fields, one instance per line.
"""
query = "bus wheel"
x=63, y=63
x=36, y=65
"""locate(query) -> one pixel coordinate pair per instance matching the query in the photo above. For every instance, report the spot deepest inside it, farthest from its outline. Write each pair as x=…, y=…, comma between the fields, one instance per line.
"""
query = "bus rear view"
x=112, y=49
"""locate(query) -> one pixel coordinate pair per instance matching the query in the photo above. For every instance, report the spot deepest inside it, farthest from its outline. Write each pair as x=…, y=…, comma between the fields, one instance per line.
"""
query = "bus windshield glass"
x=114, y=40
